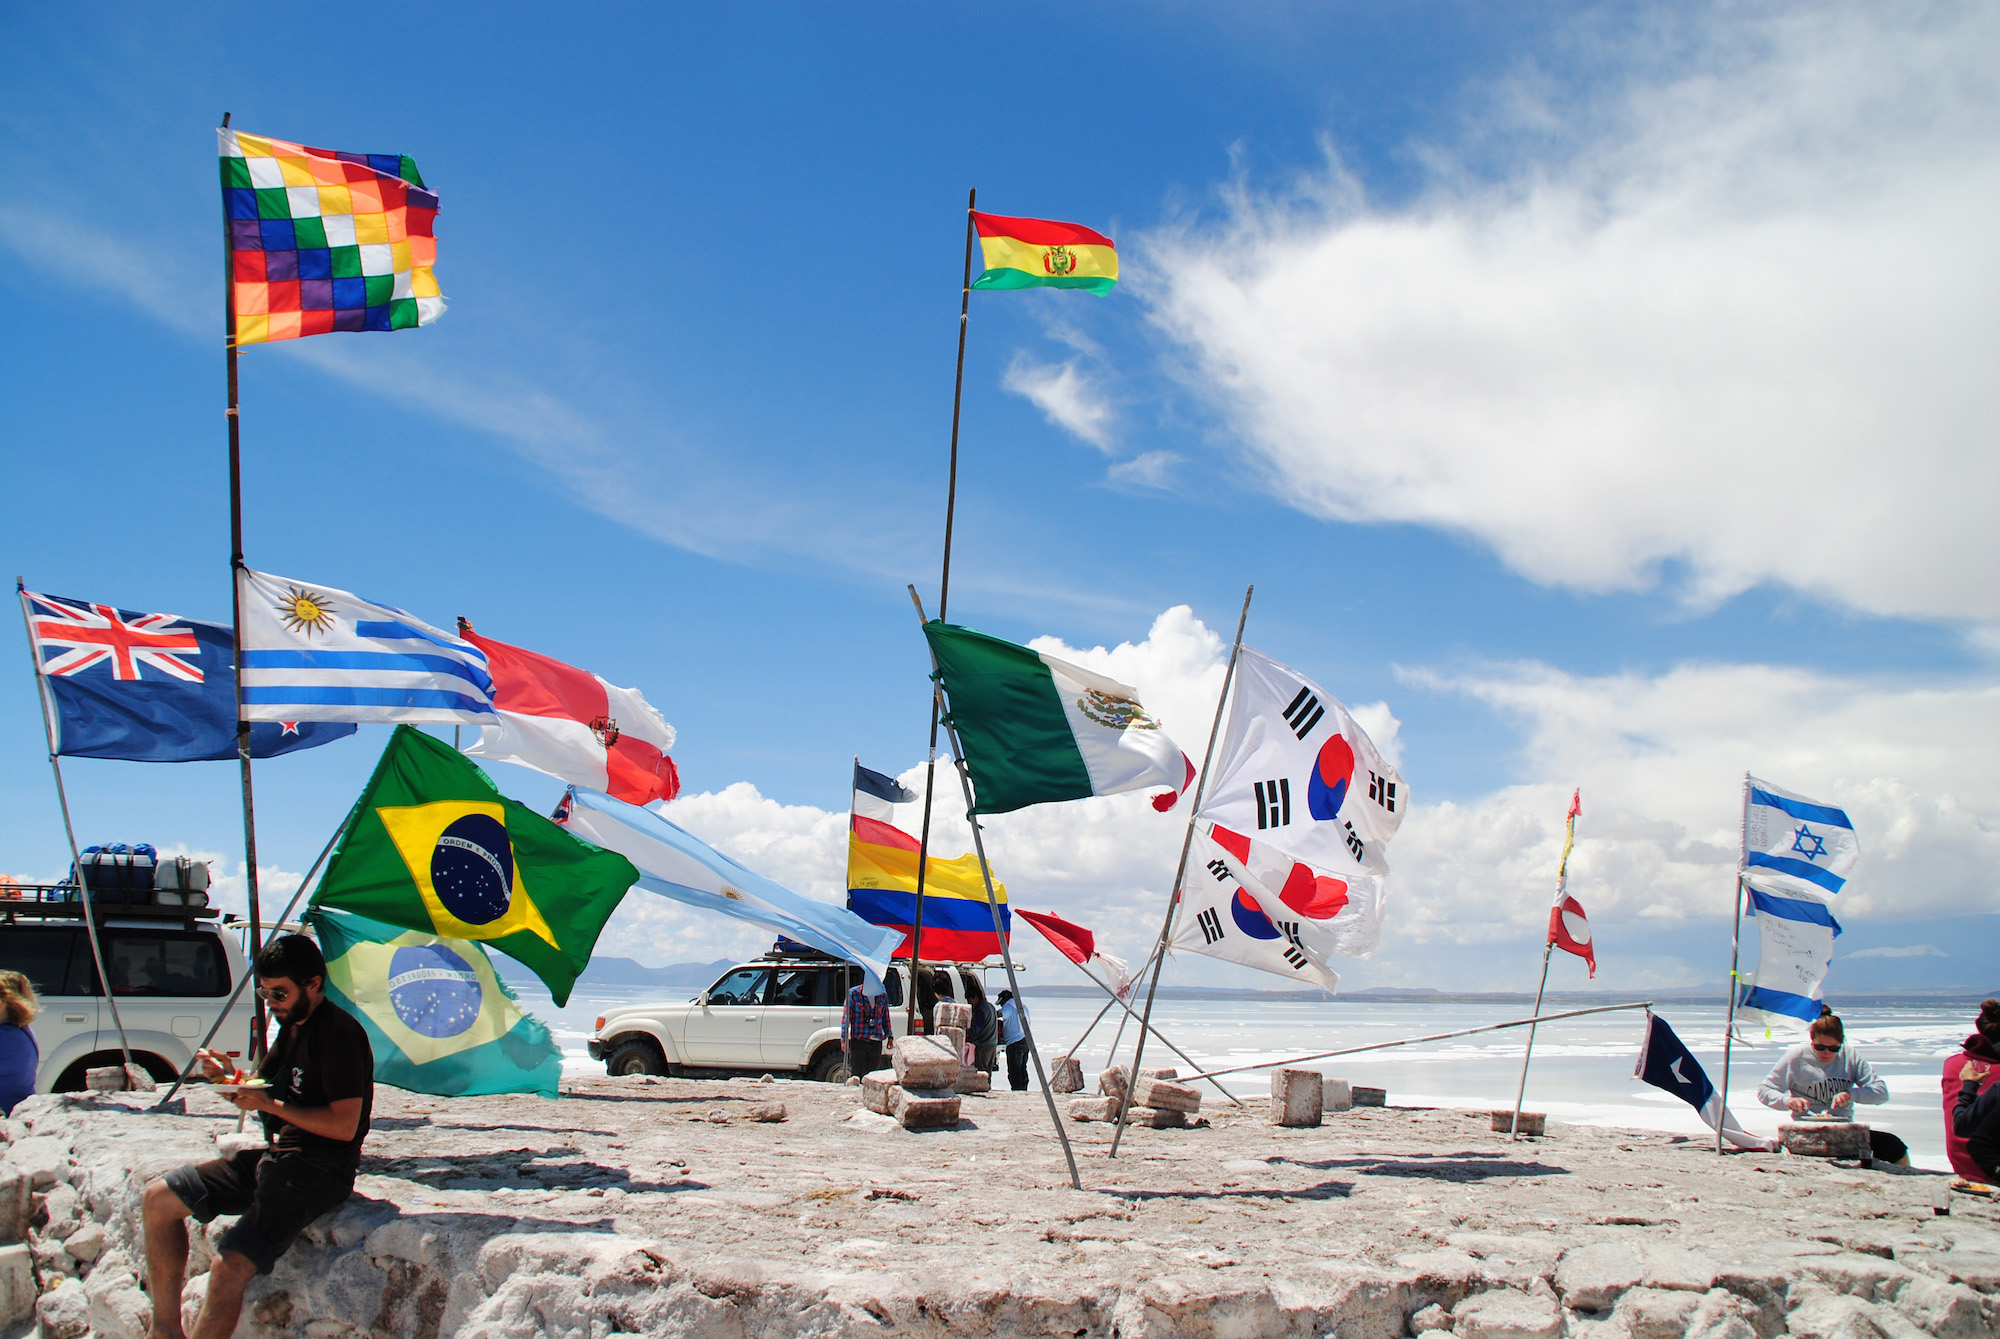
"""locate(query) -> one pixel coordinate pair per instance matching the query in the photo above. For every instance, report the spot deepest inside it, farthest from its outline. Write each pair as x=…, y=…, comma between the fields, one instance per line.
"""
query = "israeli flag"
x=1793, y=845
x=1795, y=950
x=315, y=653
x=1666, y=1062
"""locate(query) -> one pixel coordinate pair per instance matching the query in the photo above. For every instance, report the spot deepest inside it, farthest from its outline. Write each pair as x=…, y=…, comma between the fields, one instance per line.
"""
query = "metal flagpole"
x=1180, y=873
x=1735, y=948
x=993, y=906
x=1105, y=1010
x=75, y=855
x=944, y=603
x=236, y=567
x=1514, y=1126
x=1164, y=1039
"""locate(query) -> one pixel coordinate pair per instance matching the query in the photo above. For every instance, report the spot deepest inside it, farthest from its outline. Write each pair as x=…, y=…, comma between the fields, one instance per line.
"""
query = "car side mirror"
x=702, y=999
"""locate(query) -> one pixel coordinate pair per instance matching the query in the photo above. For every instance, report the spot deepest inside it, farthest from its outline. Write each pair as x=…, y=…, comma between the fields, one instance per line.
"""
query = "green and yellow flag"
x=432, y=845
x=438, y=1019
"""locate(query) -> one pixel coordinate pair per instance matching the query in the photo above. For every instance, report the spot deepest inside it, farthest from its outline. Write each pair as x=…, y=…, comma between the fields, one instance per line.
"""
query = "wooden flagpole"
x=944, y=603
x=69, y=830
x=993, y=906
x=1180, y=873
x=1735, y=949
x=256, y=1046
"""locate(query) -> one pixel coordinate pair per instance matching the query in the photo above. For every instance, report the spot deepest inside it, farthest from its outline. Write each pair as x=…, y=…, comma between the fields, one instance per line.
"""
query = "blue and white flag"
x=1667, y=1064
x=147, y=687
x=675, y=864
x=313, y=653
x=1795, y=949
x=1792, y=844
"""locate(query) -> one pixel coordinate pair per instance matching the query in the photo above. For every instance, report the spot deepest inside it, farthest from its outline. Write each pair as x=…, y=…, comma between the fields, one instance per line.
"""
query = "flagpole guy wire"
x=69, y=830
x=1164, y=1039
x=1436, y=1036
x=1078, y=1045
x=236, y=565
x=944, y=603
x=993, y=902
x=1180, y=874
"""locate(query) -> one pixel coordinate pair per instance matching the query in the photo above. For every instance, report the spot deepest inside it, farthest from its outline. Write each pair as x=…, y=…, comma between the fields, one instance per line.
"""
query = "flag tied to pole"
x=1667, y=1064
x=147, y=687
x=1569, y=928
x=882, y=879
x=1794, y=953
x=1042, y=253
x=574, y=725
x=321, y=240
x=1079, y=945
x=1793, y=845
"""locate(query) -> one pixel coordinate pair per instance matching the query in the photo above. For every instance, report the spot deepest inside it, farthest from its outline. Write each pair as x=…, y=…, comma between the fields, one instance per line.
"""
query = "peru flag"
x=571, y=724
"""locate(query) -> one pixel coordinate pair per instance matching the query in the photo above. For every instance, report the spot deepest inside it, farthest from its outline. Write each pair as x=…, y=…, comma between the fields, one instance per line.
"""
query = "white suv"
x=171, y=970
x=778, y=1014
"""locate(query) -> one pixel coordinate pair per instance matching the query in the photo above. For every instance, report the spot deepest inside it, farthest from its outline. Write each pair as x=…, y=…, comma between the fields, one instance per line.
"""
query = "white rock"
x=1111, y=1081
x=1066, y=1074
x=1432, y=1317
x=86, y=1243
x=64, y=1311
x=1675, y=1268
x=17, y=1285
x=16, y=1205
x=43, y=1159
x=1656, y=1313
x=1722, y=1315
x=118, y=1310
x=1828, y=1315
x=62, y=1210
x=1591, y=1278
x=1506, y=1314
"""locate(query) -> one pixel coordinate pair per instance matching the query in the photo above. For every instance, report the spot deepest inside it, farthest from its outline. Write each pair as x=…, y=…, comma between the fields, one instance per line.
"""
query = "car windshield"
x=744, y=986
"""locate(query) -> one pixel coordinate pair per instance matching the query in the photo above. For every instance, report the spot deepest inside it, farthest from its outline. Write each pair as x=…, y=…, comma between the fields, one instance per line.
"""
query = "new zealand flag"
x=148, y=687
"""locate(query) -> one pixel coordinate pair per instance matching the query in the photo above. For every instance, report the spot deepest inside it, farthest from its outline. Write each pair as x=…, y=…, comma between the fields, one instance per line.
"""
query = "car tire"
x=829, y=1066
x=636, y=1056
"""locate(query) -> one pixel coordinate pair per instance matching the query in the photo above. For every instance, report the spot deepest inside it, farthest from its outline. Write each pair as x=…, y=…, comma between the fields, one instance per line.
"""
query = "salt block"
x=1336, y=1095
x=925, y=1062
x=1156, y=1118
x=1166, y=1095
x=1165, y=1072
x=1824, y=1139
x=1093, y=1108
x=951, y=1014
x=875, y=1091
x=954, y=1037
x=924, y=1108
x=768, y=1112
x=1066, y=1075
x=1532, y=1122
x=17, y=1285
x=15, y=1206
x=1371, y=1097
x=972, y=1081
x=1111, y=1082
x=1296, y=1097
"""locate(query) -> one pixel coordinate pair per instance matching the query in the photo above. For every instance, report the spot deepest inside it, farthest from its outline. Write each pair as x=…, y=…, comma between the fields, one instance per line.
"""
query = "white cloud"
x=1148, y=469
x=1738, y=319
x=1067, y=396
x=1910, y=951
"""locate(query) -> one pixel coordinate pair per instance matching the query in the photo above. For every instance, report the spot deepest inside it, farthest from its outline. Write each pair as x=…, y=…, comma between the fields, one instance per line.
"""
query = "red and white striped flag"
x=1569, y=928
x=571, y=724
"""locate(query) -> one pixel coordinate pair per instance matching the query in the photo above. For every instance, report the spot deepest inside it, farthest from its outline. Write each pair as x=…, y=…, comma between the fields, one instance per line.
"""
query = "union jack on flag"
x=73, y=636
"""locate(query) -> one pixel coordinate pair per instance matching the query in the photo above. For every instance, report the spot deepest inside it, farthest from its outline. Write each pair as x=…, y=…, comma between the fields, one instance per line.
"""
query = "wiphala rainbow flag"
x=322, y=241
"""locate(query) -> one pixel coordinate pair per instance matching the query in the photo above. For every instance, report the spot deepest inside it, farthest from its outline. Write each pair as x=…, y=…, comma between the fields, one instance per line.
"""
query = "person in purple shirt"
x=20, y=1057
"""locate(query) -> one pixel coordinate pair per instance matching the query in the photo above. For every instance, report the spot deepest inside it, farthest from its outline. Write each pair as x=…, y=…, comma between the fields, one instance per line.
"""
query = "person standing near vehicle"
x=864, y=1026
x=1980, y=1052
x=20, y=1055
x=1014, y=1036
x=1824, y=1076
x=984, y=1034
x=319, y=1085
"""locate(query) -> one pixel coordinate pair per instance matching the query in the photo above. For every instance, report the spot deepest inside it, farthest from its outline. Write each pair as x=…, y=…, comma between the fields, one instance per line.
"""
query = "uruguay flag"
x=147, y=687
x=314, y=653
x=1795, y=845
x=1667, y=1064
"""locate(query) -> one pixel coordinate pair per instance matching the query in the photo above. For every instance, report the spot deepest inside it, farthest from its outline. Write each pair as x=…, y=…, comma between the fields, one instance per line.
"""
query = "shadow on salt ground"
x=1325, y=1190
x=1455, y=1167
x=514, y=1169
x=382, y=1212
x=663, y=1099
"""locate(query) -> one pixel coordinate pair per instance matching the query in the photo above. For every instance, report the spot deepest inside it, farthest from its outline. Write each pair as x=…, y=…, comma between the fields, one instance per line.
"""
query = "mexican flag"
x=432, y=845
x=1036, y=729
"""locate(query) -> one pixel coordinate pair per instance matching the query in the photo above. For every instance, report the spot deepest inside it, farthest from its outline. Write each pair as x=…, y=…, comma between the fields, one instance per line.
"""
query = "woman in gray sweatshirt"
x=1824, y=1076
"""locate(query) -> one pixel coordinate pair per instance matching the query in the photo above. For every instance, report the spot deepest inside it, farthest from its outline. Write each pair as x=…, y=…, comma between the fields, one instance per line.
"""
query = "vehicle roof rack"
x=58, y=902
x=792, y=948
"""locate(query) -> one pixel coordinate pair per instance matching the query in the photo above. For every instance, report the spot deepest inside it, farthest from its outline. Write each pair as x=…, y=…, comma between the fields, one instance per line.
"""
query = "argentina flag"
x=314, y=653
x=1792, y=844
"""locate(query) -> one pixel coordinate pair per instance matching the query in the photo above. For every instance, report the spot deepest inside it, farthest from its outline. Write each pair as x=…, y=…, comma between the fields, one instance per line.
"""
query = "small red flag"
x=1072, y=941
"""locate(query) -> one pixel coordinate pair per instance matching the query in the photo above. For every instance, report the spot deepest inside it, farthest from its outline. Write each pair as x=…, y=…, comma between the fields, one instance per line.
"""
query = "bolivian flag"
x=431, y=845
x=437, y=1018
x=1041, y=253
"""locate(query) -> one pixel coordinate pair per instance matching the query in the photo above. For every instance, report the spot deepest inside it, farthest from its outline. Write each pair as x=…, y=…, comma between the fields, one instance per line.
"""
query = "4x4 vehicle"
x=779, y=1014
x=171, y=970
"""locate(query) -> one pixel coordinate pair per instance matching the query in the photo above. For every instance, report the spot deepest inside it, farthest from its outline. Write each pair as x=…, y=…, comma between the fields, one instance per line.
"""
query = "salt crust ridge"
x=626, y=1207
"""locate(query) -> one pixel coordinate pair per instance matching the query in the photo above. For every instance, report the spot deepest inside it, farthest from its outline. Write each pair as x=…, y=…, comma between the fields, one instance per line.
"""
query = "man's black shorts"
x=278, y=1194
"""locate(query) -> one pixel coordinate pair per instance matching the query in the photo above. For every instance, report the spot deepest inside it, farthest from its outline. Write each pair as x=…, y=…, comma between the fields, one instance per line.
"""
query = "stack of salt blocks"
x=929, y=1076
x=1157, y=1101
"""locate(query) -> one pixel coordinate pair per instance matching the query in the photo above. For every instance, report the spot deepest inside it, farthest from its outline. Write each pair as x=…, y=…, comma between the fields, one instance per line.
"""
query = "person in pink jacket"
x=1981, y=1048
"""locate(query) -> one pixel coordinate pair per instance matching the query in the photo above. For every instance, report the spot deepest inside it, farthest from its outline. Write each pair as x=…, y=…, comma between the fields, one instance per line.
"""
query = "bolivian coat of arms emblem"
x=1059, y=261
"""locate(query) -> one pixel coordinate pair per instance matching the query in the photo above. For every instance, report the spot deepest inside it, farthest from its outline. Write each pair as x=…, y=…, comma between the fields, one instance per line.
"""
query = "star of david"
x=1808, y=843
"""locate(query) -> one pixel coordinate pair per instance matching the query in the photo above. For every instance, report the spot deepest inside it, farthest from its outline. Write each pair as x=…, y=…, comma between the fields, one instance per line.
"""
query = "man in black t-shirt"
x=320, y=1077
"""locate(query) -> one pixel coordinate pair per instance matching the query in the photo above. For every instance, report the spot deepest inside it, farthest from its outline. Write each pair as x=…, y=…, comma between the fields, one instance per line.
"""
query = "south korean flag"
x=1295, y=771
x=1221, y=916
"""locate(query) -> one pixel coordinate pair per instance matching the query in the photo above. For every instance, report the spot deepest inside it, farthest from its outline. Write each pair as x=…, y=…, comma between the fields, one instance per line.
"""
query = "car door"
x=169, y=984
x=56, y=958
x=798, y=1008
x=726, y=1028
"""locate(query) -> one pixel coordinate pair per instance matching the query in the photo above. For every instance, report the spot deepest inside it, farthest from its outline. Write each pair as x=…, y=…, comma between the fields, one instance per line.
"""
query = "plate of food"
x=237, y=1083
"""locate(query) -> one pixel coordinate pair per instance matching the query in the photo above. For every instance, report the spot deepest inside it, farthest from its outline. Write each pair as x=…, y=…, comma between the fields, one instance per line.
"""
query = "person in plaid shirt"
x=864, y=1025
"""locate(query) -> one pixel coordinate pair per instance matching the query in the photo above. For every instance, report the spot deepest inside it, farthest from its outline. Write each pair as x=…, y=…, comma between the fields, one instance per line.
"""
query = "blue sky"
x=1598, y=388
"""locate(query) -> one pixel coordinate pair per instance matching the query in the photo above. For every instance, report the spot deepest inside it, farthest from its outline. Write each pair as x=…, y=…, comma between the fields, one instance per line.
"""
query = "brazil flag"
x=437, y=1018
x=431, y=845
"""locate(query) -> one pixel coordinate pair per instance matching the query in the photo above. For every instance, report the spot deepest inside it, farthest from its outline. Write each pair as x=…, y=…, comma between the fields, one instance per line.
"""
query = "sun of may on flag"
x=322, y=241
x=1037, y=729
x=431, y=845
x=1041, y=253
